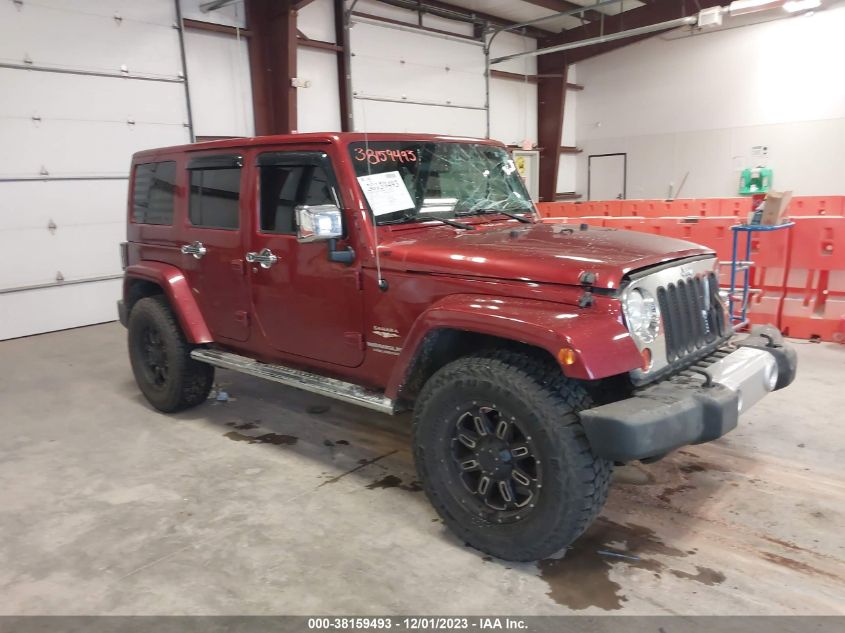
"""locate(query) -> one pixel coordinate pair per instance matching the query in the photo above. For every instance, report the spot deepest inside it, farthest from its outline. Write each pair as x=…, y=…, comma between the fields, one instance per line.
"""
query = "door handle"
x=264, y=257
x=195, y=248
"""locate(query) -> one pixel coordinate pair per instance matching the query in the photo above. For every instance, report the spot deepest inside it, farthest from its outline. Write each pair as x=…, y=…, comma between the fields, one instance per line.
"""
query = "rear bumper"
x=695, y=406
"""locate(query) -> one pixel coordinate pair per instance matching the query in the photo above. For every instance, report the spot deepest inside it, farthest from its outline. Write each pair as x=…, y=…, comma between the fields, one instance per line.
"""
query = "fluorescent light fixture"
x=794, y=6
x=741, y=7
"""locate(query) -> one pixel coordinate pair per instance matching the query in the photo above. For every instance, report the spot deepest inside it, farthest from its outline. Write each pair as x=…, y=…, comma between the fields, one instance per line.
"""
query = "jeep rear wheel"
x=161, y=358
x=503, y=457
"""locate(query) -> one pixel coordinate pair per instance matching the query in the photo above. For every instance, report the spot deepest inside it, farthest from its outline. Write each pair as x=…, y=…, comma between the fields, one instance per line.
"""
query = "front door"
x=213, y=248
x=304, y=304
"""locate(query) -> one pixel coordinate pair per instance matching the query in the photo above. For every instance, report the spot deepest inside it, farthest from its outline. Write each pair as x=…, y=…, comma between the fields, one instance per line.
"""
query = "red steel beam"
x=551, y=101
x=344, y=78
x=272, y=62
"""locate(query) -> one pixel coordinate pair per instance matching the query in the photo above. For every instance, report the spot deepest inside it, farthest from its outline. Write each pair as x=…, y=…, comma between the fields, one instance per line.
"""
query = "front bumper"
x=698, y=405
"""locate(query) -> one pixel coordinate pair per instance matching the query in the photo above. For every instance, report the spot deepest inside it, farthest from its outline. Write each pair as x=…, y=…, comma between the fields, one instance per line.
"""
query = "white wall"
x=318, y=105
x=699, y=104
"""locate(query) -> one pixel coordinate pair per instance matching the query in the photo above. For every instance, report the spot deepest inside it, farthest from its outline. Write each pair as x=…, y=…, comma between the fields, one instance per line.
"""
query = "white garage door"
x=83, y=85
x=412, y=81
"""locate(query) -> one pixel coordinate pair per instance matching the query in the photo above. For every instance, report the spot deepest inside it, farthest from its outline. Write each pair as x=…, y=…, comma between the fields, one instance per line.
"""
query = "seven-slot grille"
x=692, y=314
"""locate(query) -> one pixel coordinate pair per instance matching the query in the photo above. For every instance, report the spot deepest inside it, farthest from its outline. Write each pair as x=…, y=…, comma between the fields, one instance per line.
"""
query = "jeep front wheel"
x=503, y=457
x=161, y=358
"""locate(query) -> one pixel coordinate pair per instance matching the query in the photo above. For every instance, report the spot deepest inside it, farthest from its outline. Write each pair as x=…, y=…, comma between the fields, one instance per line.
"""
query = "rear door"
x=304, y=304
x=213, y=245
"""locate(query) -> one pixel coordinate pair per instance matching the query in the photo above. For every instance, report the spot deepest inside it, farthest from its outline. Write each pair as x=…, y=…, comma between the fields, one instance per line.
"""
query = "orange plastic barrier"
x=627, y=223
x=706, y=207
x=817, y=205
x=769, y=252
x=739, y=207
x=814, y=300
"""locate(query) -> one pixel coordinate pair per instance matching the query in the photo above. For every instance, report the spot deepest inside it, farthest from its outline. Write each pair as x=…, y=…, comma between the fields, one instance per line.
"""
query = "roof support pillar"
x=552, y=71
x=272, y=63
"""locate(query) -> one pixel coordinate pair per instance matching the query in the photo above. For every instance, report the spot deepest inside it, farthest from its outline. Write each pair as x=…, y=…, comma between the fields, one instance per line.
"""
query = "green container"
x=755, y=180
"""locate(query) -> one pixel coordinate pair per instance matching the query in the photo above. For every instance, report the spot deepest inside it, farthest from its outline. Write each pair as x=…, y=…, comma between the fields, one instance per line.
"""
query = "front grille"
x=693, y=317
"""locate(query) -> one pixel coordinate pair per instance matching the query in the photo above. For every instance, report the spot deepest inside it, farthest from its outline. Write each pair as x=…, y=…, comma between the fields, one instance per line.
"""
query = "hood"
x=542, y=253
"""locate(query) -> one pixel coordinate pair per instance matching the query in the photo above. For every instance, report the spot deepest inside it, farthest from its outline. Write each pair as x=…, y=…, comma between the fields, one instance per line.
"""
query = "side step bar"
x=330, y=387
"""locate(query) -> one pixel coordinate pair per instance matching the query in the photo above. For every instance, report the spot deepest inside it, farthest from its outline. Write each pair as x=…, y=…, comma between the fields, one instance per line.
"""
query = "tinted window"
x=152, y=199
x=283, y=187
x=214, y=197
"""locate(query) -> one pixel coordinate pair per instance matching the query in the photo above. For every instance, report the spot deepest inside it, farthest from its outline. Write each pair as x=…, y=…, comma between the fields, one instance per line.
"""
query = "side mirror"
x=318, y=222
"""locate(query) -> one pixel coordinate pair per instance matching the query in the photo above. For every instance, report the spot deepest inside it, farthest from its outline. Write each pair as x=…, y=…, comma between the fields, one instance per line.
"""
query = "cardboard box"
x=775, y=206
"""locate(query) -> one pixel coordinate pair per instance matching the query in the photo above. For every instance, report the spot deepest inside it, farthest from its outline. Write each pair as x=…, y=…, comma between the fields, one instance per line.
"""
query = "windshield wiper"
x=520, y=218
x=408, y=219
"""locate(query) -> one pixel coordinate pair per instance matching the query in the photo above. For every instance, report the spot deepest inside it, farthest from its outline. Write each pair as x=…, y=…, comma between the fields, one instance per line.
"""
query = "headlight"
x=642, y=315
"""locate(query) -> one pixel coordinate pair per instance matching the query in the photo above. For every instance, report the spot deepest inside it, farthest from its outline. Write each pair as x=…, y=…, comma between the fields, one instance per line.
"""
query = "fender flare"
x=602, y=345
x=172, y=281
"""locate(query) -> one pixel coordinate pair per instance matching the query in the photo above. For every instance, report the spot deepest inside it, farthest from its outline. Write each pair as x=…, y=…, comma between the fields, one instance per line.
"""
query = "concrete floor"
x=280, y=502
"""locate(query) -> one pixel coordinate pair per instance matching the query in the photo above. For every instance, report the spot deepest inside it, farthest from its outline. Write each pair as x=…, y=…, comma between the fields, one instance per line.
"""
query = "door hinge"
x=242, y=317
x=359, y=280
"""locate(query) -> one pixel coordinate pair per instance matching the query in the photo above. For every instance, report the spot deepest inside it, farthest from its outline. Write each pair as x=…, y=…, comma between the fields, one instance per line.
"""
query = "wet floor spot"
x=317, y=409
x=700, y=467
x=581, y=579
x=392, y=481
x=267, y=438
x=704, y=575
x=243, y=426
x=795, y=565
x=668, y=493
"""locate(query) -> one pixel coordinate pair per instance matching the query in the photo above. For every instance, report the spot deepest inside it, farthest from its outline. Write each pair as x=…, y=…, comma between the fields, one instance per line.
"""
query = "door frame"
x=624, y=171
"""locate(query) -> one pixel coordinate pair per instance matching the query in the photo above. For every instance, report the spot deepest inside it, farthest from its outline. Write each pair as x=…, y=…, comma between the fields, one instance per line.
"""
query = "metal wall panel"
x=84, y=41
x=318, y=106
x=220, y=84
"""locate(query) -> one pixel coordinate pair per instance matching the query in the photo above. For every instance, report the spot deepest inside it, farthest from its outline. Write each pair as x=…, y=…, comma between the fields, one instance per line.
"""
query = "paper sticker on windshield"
x=386, y=192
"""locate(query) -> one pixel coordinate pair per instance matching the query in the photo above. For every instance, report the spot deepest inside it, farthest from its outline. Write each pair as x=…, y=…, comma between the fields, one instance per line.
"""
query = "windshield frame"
x=419, y=160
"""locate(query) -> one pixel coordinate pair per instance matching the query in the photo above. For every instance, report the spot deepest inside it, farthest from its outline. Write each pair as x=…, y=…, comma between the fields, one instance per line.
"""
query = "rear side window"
x=215, y=195
x=152, y=199
x=283, y=187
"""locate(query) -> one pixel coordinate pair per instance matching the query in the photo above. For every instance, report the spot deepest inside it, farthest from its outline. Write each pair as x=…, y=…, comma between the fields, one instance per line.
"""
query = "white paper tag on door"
x=386, y=192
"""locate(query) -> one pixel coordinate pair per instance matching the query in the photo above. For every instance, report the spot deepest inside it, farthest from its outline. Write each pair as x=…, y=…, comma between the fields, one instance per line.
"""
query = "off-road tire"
x=575, y=482
x=187, y=381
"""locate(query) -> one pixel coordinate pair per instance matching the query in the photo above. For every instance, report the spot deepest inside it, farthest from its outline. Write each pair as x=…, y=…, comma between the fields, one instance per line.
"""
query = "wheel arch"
x=461, y=324
x=147, y=279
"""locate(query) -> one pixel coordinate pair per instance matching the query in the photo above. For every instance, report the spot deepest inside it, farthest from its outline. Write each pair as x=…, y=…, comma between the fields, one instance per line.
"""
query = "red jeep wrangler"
x=400, y=271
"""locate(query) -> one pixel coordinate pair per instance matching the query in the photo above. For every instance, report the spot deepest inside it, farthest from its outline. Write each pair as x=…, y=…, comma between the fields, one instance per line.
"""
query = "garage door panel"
x=82, y=41
x=421, y=119
x=33, y=204
x=35, y=256
x=79, y=148
x=57, y=308
x=90, y=98
x=151, y=11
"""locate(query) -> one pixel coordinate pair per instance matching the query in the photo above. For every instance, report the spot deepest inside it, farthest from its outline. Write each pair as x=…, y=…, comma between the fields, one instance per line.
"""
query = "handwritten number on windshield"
x=376, y=156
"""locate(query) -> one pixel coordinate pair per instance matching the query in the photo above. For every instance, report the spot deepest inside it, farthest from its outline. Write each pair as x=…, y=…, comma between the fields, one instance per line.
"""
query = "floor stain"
x=362, y=463
x=785, y=544
x=668, y=493
x=316, y=409
x=243, y=426
x=342, y=442
x=392, y=481
x=266, y=438
x=704, y=575
x=581, y=579
x=795, y=565
x=700, y=467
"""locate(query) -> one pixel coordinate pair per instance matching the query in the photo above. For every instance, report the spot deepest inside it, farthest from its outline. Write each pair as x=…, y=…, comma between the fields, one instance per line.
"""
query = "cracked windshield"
x=414, y=181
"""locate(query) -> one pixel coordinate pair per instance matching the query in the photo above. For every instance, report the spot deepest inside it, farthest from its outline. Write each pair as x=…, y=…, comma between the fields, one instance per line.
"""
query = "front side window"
x=152, y=197
x=406, y=181
x=283, y=187
x=215, y=197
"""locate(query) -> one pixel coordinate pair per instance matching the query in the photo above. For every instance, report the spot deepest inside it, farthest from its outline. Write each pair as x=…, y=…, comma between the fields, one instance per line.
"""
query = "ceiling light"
x=794, y=6
x=741, y=7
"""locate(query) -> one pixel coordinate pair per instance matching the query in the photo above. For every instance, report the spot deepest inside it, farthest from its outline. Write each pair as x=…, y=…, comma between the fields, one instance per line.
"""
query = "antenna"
x=382, y=282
